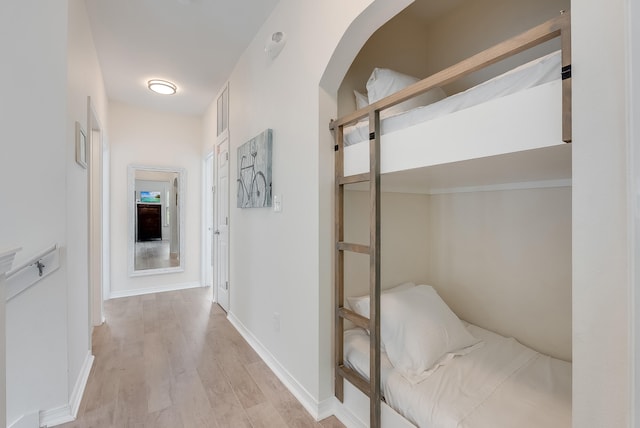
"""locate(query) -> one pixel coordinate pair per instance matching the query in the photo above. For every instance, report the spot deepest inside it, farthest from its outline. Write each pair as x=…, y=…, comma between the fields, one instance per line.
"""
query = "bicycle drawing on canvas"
x=252, y=184
x=254, y=171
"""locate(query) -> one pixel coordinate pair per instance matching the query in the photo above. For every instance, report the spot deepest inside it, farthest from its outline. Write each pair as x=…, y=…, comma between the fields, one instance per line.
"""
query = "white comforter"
x=503, y=384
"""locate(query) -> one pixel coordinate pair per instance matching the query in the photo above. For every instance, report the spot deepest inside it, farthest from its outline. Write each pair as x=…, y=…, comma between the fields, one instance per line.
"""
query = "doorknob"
x=217, y=232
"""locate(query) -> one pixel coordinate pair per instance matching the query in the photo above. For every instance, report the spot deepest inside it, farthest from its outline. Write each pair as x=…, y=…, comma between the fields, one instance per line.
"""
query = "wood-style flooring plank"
x=264, y=415
x=283, y=401
x=189, y=396
x=155, y=370
x=173, y=360
x=166, y=418
x=331, y=422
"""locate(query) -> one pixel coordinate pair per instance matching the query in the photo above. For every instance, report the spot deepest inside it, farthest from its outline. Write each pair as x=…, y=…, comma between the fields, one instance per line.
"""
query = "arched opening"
x=370, y=20
x=333, y=94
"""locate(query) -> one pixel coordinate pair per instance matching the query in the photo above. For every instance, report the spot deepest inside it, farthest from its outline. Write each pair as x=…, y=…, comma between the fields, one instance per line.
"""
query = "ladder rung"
x=354, y=248
x=358, y=381
x=352, y=179
x=358, y=320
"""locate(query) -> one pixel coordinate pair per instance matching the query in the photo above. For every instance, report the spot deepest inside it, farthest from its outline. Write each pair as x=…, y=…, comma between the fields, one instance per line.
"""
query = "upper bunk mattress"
x=502, y=384
x=529, y=75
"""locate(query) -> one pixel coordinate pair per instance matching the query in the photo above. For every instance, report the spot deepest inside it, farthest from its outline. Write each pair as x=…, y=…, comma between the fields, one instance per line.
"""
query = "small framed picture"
x=81, y=146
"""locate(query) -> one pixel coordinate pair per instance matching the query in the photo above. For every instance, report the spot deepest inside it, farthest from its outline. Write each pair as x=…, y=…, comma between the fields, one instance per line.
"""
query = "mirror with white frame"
x=156, y=219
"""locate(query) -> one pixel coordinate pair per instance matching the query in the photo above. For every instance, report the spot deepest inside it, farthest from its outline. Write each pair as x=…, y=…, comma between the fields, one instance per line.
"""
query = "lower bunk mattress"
x=501, y=384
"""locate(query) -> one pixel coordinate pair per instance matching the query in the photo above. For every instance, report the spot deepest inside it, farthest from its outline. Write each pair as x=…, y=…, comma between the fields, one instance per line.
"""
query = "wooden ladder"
x=370, y=387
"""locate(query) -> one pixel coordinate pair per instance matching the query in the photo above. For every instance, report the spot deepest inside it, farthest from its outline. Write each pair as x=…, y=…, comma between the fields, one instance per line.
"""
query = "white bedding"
x=531, y=74
x=503, y=384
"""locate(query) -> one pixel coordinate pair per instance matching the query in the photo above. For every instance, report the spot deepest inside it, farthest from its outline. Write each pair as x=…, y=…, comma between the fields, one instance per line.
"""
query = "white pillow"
x=360, y=304
x=361, y=100
x=420, y=332
x=384, y=82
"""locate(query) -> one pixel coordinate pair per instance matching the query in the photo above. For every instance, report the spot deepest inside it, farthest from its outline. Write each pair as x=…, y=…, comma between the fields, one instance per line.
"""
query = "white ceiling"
x=193, y=43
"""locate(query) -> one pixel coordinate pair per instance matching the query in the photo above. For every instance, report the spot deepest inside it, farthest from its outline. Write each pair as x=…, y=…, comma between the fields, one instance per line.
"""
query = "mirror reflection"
x=155, y=214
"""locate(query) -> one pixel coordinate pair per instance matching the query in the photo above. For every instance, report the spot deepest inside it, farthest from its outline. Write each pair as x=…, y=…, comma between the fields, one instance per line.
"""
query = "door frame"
x=208, y=220
x=96, y=167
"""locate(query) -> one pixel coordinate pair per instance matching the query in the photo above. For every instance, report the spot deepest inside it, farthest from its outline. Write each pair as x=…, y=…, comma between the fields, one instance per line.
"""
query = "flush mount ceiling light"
x=162, y=87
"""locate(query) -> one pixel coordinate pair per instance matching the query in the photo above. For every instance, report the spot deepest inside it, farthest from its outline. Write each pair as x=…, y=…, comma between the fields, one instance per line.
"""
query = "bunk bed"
x=534, y=119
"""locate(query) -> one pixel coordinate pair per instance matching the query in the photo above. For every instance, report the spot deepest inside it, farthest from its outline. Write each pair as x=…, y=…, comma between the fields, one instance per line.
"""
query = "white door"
x=221, y=199
x=221, y=232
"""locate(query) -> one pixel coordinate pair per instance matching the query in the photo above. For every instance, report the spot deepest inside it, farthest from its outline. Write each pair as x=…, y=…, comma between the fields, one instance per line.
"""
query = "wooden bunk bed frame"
x=558, y=27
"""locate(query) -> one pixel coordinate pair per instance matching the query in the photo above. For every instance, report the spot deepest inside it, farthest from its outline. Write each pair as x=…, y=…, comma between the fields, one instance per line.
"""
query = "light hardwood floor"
x=173, y=360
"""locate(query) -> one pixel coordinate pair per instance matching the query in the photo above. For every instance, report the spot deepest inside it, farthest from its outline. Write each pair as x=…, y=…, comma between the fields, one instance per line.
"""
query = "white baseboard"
x=69, y=413
x=59, y=416
x=346, y=416
x=81, y=384
x=327, y=408
x=150, y=290
x=298, y=391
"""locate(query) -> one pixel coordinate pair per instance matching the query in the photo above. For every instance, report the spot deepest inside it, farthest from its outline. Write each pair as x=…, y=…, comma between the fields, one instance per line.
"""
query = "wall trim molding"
x=150, y=290
x=69, y=412
x=58, y=416
x=81, y=384
x=346, y=416
x=299, y=392
x=327, y=408
x=542, y=184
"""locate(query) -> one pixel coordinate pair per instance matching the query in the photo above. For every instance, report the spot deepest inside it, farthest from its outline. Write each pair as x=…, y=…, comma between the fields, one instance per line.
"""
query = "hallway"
x=173, y=360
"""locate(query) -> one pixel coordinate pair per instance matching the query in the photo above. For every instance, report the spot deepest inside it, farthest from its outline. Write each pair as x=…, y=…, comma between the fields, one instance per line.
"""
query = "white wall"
x=275, y=258
x=209, y=130
x=152, y=138
x=84, y=79
x=603, y=357
x=399, y=45
x=405, y=240
x=502, y=260
x=35, y=380
x=477, y=25
x=44, y=199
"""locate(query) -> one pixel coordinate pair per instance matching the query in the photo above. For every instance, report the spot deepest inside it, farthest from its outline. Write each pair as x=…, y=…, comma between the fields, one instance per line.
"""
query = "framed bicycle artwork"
x=254, y=172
